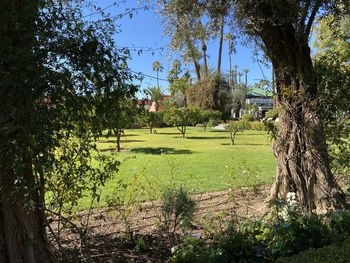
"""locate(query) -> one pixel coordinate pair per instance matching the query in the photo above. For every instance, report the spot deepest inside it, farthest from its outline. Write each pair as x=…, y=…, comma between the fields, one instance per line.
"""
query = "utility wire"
x=148, y=76
x=105, y=8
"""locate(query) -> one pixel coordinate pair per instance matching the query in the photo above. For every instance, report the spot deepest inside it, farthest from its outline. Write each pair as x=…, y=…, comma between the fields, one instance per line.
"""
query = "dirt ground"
x=104, y=239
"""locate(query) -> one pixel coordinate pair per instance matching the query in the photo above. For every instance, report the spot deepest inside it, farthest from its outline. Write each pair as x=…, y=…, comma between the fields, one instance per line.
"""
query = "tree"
x=236, y=126
x=207, y=115
x=174, y=72
x=180, y=85
x=283, y=27
x=52, y=65
x=230, y=42
x=332, y=65
x=184, y=27
x=152, y=119
x=212, y=92
x=119, y=116
x=182, y=117
x=157, y=67
x=155, y=94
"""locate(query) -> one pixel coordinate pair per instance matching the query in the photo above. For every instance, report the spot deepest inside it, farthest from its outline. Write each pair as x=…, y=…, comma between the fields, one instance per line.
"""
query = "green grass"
x=202, y=161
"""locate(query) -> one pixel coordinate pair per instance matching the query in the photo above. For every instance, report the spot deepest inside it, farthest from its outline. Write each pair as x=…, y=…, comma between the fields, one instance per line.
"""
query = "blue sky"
x=145, y=29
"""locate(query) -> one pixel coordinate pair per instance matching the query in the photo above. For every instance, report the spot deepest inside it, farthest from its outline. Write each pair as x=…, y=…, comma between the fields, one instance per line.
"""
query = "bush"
x=329, y=254
x=257, y=126
x=213, y=122
x=177, y=209
x=273, y=114
x=247, y=118
x=340, y=224
x=285, y=233
x=194, y=250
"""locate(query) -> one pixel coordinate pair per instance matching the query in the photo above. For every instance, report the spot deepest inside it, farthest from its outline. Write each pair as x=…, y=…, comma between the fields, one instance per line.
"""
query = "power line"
x=149, y=76
x=105, y=8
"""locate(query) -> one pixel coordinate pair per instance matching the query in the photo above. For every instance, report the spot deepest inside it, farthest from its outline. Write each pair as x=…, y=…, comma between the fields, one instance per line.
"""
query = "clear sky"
x=145, y=30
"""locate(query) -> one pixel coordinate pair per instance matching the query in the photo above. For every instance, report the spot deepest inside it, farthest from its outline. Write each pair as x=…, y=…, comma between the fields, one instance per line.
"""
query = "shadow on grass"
x=168, y=133
x=160, y=150
x=207, y=137
x=121, y=141
x=249, y=144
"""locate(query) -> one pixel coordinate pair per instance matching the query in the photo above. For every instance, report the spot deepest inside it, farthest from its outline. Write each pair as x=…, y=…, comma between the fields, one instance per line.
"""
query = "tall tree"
x=22, y=226
x=183, y=24
x=175, y=71
x=230, y=42
x=157, y=67
x=52, y=67
x=301, y=150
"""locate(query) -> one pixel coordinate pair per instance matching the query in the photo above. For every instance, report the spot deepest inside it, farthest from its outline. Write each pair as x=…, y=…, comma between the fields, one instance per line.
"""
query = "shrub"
x=239, y=245
x=213, y=122
x=273, y=114
x=194, y=250
x=177, y=209
x=257, y=126
x=247, y=117
x=340, y=223
x=328, y=254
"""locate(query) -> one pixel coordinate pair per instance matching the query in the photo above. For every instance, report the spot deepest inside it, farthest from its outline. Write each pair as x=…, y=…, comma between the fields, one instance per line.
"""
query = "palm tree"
x=155, y=94
x=231, y=49
x=245, y=71
x=157, y=67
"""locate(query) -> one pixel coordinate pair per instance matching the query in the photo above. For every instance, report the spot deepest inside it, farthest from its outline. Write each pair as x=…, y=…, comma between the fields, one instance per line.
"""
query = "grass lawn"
x=204, y=161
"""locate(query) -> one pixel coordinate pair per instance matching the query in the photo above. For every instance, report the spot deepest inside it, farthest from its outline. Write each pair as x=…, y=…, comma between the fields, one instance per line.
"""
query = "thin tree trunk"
x=301, y=151
x=221, y=43
x=194, y=58
x=204, y=50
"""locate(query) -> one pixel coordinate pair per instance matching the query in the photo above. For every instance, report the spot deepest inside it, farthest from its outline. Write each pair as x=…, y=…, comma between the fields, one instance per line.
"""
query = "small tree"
x=207, y=115
x=119, y=116
x=152, y=119
x=182, y=117
x=236, y=126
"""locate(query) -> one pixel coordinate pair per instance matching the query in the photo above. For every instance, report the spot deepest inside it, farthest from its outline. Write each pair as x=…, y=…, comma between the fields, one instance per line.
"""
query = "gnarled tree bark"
x=300, y=149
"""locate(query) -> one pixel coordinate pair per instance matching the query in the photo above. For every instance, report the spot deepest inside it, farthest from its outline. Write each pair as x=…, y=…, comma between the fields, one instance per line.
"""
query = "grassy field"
x=204, y=161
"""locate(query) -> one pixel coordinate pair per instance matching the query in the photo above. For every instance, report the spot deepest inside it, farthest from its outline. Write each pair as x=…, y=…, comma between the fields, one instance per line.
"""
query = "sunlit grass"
x=203, y=161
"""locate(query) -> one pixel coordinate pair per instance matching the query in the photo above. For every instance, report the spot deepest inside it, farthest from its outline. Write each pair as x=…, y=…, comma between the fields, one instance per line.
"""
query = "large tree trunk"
x=300, y=149
x=22, y=226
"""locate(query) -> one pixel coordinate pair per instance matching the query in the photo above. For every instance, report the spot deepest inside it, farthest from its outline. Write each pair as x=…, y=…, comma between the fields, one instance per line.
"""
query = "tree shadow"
x=250, y=144
x=160, y=150
x=121, y=141
x=168, y=133
x=206, y=137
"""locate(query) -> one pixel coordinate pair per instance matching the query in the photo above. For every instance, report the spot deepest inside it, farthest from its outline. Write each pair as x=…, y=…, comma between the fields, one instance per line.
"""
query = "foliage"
x=328, y=254
x=257, y=126
x=236, y=126
x=333, y=71
x=239, y=95
x=247, y=117
x=126, y=198
x=194, y=250
x=284, y=233
x=340, y=224
x=118, y=117
x=177, y=209
x=174, y=72
x=152, y=119
x=211, y=93
x=182, y=117
x=155, y=94
x=273, y=114
x=209, y=115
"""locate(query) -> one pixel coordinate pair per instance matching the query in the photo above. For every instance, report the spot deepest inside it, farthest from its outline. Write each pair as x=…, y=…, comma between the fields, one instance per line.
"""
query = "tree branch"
x=312, y=18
